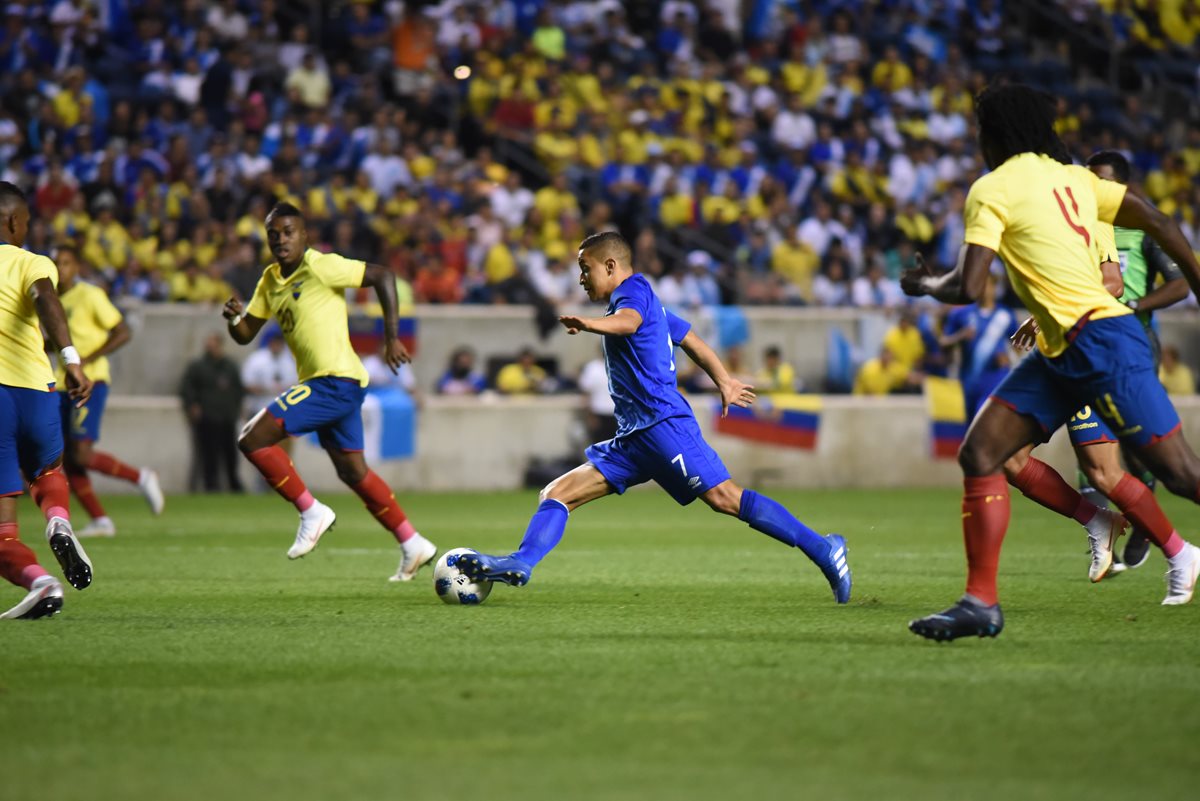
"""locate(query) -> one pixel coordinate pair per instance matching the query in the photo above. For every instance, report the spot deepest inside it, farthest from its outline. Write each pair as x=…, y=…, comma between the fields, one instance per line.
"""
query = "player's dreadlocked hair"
x=1014, y=119
x=1115, y=160
x=609, y=243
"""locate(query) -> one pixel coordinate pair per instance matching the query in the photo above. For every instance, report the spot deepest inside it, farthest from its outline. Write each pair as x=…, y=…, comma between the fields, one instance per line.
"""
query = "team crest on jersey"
x=296, y=290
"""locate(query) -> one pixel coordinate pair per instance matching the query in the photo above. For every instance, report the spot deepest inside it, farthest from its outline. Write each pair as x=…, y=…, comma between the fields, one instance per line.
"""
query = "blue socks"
x=772, y=519
x=544, y=532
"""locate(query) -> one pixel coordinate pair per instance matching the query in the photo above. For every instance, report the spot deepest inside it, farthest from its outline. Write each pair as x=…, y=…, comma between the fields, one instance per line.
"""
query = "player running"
x=1038, y=212
x=1137, y=263
x=304, y=291
x=31, y=440
x=657, y=437
x=98, y=329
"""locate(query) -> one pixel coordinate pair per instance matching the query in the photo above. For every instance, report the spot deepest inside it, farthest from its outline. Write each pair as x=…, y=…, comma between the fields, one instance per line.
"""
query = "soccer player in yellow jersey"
x=98, y=329
x=1038, y=212
x=304, y=290
x=31, y=441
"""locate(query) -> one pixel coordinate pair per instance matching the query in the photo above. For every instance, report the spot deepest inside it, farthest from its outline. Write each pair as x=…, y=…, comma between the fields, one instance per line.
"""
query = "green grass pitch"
x=659, y=653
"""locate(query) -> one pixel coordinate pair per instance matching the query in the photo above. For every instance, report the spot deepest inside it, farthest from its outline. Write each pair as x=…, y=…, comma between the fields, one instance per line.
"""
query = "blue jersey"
x=641, y=366
x=986, y=351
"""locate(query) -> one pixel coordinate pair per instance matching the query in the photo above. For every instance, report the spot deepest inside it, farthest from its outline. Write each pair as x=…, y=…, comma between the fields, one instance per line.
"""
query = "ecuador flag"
x=366, y=334
x=791, y=421
x=947, y=415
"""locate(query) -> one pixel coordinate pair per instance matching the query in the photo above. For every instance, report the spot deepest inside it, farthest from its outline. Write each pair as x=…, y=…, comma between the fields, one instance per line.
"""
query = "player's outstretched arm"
x=733, y=391
x=1136, y=212
x=243, y=327
x=1174, y=287
x=118, y=336
x=54, y=321
x=379, y=277
x=963, y=284
x=624, y=322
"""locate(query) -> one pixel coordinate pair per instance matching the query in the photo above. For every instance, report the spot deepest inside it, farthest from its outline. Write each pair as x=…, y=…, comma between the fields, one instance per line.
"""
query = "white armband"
x=69, y=355
x=234, y=321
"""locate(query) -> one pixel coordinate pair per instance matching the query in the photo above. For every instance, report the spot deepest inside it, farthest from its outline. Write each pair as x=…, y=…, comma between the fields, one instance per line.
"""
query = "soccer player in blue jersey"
x=658, y=437
x=982, y=331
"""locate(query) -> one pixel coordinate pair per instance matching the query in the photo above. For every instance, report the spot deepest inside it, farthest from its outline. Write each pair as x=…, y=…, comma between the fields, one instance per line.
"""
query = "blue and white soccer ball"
x=455, y=587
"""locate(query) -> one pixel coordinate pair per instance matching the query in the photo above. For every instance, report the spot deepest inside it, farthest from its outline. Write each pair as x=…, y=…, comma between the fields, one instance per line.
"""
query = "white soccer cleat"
x=1103, y=531
x=151, y=491
x=314, y=522
x=45, y=598
x=418, y=552
x=100, y=527
x=77, y=568
x=1181, y=578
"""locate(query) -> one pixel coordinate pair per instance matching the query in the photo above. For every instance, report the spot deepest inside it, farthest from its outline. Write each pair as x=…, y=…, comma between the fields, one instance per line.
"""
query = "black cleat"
x=1137, y=550
x=77, y=568
x=967, y=618
x=44, y=599
x=47, y=607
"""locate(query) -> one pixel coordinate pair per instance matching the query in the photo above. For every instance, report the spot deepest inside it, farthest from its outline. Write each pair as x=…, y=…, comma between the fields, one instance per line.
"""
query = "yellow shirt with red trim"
x=1041, y=217
x=310, y=305
x=23, y=360
x=91, y=316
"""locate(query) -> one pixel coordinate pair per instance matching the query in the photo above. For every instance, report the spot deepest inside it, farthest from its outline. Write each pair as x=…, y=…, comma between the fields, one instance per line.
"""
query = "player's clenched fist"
x=233, y=308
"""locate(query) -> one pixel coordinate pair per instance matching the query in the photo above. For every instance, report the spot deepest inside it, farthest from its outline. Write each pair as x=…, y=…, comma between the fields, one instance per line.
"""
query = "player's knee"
x=725, y=498
x=1184, y=483
x=350, y=474
x=1104, y=478
x=976, y=460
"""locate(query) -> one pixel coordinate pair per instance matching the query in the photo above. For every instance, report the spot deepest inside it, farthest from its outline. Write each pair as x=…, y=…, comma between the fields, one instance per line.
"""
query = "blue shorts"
x=332, y=407
x=1088, y=428
x=31, y=436
x=1109, y=367
x=83, y=424
x=671, y=452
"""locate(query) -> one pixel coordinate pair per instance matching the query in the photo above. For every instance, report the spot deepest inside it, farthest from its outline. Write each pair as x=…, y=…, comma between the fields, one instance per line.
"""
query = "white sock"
x=1183, y=558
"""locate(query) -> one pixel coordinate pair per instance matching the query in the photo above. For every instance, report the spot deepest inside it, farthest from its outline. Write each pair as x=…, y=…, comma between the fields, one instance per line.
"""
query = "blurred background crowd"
x=755, y=151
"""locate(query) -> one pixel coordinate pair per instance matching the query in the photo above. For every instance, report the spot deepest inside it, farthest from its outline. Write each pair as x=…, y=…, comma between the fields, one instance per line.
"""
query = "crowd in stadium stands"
x=753, y=152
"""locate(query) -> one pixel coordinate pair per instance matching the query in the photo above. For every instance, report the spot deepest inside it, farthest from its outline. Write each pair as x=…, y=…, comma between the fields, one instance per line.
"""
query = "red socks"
x=51, y=493
x=1137, y=502
x=17, y=562
x=81, y=485
x=1041, y=483
x=985, y=510
x=382, y=503
x=109, y=465
x=281, y=474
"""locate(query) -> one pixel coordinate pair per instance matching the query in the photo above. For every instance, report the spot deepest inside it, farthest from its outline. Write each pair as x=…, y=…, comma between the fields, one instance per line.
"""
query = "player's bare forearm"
x=1110, y=275
x=1163, y=296
x=380, y=278
x=623, y=323
x=1138, y=213
x=50, y=313
x=242, y=327
x=705, y=358
x=117, y=338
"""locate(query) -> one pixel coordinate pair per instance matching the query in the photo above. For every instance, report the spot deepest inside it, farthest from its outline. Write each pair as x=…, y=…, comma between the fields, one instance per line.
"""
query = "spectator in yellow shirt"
x=1175, y=376
x=891, y=74
x=903, y=341
x=776, y=377
x=796, y=261
x=882, y=375
x=522, y=377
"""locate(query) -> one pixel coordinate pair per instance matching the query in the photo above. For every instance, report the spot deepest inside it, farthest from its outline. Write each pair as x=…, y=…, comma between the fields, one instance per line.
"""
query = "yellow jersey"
x=90, y=318
x=1106, y=243
x=310, y=305
x=1041, y=217
x=23, y=360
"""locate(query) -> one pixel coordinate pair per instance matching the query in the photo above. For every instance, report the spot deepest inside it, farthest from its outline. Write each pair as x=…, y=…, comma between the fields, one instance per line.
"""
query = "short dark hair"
x=68, y=247
x=283, y=209
x=1115, y=160
x=1013, y=119
x=11, y=197
x=611, y=242
x=773, y=352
